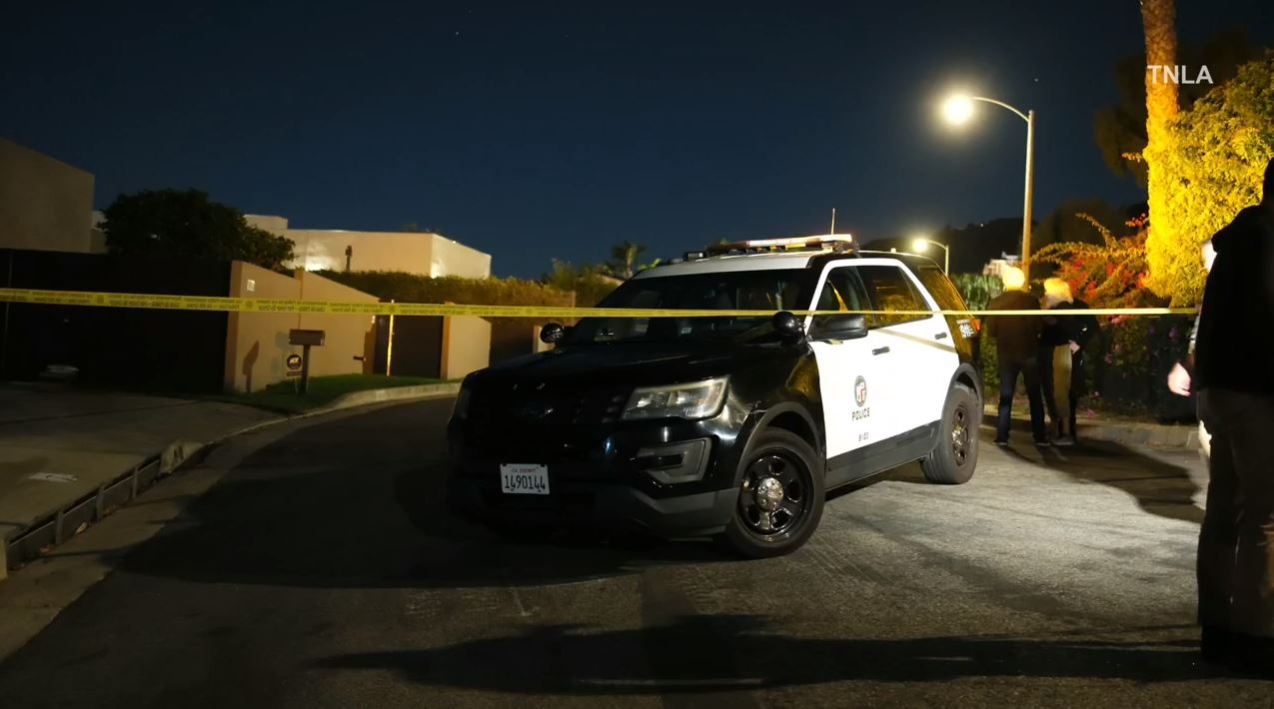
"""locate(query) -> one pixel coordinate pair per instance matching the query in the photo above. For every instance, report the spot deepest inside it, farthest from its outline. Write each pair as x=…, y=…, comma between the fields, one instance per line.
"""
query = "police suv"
x=731, y=426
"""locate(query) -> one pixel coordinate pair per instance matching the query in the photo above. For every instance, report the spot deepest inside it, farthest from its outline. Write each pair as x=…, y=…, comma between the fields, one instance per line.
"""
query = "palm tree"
x=1158, y=18
x=623, y=259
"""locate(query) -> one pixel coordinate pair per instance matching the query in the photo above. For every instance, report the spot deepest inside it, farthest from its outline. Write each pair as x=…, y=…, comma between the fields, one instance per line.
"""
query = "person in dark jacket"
x=1234, y=375
x=1017, y=342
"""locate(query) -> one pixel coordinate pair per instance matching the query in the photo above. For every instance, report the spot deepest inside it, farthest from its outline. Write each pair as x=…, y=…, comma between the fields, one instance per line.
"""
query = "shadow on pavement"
x=723, y=653
x=1159, y=487
x=355, y=503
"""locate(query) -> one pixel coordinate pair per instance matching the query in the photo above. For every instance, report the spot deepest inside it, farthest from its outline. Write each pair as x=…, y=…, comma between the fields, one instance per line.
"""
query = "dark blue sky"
x=539, y=130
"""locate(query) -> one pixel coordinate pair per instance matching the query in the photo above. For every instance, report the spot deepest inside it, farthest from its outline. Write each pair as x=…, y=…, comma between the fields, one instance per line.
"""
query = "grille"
x=543, y=415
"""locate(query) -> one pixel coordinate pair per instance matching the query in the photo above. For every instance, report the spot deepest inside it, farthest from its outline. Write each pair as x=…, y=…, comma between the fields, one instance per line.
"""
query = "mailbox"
x=306, y=338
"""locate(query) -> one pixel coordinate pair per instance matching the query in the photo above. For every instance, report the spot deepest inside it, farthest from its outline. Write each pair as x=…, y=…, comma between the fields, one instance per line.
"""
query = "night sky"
x=540, y=130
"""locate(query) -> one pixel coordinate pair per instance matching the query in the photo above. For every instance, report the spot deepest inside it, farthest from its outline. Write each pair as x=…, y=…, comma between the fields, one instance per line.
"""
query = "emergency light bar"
x=835, y=242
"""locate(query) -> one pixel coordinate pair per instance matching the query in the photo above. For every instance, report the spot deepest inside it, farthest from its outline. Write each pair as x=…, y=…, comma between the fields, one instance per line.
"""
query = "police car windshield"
x=788, y=289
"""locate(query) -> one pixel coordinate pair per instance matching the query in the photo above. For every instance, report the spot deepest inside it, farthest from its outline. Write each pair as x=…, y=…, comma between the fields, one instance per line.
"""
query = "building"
x=45, y=204
x=996, y=265
x=421, y=253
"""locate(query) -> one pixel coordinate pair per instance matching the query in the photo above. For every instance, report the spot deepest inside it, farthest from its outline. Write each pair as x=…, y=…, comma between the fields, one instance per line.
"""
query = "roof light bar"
x=835, y=242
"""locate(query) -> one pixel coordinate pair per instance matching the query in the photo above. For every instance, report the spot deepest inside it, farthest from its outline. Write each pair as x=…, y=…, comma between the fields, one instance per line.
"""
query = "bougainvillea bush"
x=1127, y=362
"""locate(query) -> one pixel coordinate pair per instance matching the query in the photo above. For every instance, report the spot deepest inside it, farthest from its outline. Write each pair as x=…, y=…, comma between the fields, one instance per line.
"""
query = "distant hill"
x=971, y=246
x=974, y=244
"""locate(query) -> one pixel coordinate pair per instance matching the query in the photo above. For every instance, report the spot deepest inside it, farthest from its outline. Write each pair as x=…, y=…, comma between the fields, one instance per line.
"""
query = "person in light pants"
x=1062, y=344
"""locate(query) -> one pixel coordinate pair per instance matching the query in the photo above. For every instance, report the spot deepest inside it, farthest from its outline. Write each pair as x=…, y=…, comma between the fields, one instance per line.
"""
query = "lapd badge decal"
x=860, y=398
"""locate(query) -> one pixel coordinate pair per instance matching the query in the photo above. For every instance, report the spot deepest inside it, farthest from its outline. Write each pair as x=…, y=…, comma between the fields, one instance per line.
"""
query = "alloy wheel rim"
x=960, y=435
x=774, y=497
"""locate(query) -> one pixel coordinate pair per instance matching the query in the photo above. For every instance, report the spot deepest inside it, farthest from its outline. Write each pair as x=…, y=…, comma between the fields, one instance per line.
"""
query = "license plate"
x=524, y=479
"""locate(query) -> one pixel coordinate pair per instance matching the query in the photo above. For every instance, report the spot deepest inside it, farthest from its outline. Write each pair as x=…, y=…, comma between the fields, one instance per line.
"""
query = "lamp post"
x=958, y=109
x=922, y=244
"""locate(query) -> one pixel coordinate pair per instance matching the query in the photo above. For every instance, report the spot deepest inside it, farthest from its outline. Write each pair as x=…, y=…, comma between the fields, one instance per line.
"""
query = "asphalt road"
x=320, y=569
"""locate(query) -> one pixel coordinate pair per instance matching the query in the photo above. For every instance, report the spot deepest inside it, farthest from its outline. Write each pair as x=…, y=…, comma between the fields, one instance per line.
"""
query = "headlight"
x=461, y=409
x=698, y=400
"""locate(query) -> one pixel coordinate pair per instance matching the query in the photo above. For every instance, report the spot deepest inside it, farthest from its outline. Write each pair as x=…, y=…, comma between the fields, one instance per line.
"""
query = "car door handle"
x=940, y=336
x=880, y=351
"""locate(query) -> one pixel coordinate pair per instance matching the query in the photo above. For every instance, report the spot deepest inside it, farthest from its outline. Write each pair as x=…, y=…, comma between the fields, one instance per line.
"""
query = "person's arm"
x=1182, y=374
x=1083, y=327
x=993, y=321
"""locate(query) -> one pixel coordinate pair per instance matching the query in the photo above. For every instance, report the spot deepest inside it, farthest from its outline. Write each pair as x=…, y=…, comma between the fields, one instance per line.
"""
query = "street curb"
x=1155, y=435
x=88, y=510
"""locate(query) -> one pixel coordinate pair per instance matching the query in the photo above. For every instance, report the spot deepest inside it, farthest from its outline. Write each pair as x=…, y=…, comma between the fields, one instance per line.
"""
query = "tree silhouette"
x=187, y=225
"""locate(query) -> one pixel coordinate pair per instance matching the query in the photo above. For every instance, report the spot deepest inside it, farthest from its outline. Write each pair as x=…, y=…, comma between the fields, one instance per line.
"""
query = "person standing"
x=1017, y=342
x=1179, y=378
x=1234, y=375
x=1061, y=358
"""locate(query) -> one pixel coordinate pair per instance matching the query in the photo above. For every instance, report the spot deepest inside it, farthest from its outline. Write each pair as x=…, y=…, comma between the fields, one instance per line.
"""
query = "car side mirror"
x=843, y=327
x=552, y=333
x=787, y=325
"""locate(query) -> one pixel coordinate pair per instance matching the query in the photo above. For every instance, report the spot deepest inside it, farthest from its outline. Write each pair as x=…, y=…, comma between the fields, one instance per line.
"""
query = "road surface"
x=313, y=565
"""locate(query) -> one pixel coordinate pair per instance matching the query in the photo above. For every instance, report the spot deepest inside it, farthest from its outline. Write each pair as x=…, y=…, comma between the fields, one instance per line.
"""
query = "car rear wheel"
x=781, y=497
x=956, y=454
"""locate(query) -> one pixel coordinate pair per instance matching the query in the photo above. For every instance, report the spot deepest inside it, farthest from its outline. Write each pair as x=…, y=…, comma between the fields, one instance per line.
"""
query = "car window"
x=942, y=289
x=890, y=291
x=728, y=290
x=841, y=291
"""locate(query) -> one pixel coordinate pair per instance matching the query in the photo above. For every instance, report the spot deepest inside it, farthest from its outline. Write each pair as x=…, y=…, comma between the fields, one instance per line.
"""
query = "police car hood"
x=635, y=363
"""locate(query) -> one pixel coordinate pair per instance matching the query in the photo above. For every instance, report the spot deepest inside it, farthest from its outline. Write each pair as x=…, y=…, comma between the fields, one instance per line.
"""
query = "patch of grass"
x=285, y=397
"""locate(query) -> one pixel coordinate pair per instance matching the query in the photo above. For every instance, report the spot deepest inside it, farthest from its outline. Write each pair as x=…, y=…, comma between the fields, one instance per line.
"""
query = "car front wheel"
x=781, y=497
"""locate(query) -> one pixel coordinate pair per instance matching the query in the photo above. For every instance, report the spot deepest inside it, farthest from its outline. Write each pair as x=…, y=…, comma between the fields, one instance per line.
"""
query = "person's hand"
x=1074, y=346
x=1179, y=380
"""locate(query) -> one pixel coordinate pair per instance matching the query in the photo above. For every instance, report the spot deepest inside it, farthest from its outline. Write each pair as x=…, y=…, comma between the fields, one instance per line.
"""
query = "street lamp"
x=957, y=110
x=921, y=244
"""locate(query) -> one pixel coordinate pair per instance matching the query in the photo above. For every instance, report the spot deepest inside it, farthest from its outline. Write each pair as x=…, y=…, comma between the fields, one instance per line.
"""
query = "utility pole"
x=1030, y=190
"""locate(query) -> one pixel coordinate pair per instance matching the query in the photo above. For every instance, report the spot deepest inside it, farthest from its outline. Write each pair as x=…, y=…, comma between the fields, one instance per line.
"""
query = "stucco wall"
x=45, y=204
x=324, y=249
x=466, y=345
x=452, y=258
x=269, y=222
x=414, y=252
x=257, y=343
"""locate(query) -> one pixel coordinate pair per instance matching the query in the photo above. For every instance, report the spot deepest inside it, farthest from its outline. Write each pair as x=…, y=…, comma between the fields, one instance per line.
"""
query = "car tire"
x=954, y=457
x=792, y=463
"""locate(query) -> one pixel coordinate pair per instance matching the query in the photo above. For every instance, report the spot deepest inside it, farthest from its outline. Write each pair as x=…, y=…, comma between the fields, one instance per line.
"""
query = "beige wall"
x=273, y=224
x=452, y=258
x=44, y=203
x=466, y=345
x=324, y=249
x=419, y=253
x=257, y=343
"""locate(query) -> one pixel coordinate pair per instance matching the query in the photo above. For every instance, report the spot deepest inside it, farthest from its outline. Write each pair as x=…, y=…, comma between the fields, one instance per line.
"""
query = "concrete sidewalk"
x=60, y=445
x=69, y=456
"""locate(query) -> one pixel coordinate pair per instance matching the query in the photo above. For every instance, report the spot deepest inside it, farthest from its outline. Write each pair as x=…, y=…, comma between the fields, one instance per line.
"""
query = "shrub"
x=412, y=288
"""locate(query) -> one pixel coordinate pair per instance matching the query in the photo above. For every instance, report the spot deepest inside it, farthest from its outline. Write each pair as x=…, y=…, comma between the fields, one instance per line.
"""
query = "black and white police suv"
x=735, y=427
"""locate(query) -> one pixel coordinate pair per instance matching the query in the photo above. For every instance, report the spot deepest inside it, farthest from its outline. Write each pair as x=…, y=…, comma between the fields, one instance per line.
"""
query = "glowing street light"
x=957, y=110
x=922, y=244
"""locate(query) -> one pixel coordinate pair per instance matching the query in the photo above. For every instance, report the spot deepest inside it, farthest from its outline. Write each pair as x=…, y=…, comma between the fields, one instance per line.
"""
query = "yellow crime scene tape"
x=148, y=301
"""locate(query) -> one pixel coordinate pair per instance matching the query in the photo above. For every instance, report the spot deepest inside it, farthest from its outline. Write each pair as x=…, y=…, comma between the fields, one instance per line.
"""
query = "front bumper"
x=601, y=505
x=674, y=478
